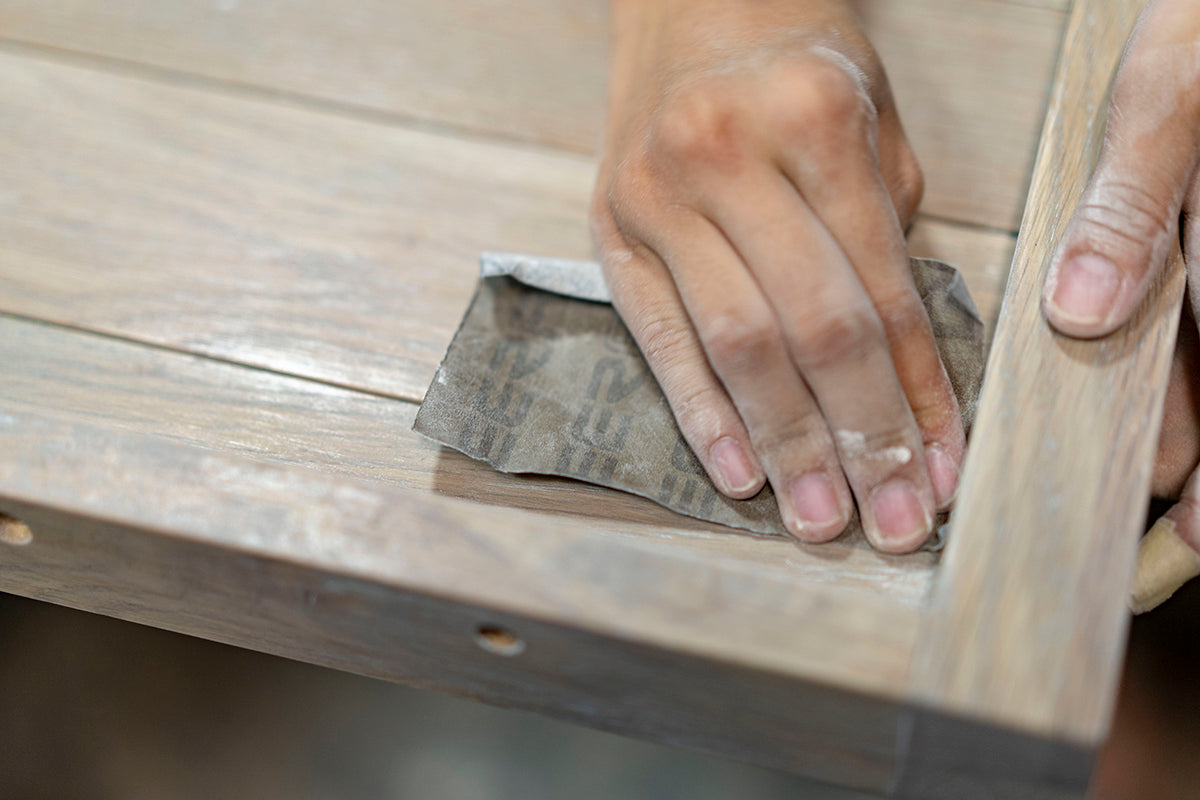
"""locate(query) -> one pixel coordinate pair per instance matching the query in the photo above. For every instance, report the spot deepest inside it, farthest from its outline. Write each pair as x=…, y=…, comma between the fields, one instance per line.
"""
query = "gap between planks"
x=286, y=98
x=294, y=241
x=536, y=71
x=134, y=390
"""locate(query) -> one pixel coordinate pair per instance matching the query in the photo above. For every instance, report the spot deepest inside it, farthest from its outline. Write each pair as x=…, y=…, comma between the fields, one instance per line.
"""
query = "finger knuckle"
x=696, y=399
x=698, y=411
x=601, y=221
x=740, y=345
x=907, y=185
x=701, y=125
x=631, y=182
x=796, y=438
x=902, y=315
x=829, y=339
x=1122, y=218
x=663, y=340
x=937, y=414
x=826, y=103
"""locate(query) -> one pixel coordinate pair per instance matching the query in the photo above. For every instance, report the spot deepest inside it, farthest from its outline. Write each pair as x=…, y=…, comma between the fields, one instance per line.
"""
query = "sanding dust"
x=853, y=444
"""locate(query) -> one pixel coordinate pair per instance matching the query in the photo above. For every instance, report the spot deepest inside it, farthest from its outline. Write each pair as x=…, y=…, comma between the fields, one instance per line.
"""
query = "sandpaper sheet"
x=538, y=380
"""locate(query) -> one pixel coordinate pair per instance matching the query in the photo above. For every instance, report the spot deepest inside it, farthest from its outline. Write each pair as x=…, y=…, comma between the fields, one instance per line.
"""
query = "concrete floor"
x=96, y=709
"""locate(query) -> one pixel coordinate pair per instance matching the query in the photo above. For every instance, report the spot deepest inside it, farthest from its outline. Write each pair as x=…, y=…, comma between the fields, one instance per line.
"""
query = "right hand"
x=749, y=213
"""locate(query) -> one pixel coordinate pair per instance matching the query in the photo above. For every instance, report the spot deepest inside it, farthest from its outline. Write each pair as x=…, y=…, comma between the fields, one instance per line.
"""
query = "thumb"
x=1127, y=221
x=1169, y=555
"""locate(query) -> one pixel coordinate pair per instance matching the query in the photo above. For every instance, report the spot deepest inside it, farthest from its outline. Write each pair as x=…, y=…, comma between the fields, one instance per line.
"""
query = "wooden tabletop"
x=236, y=238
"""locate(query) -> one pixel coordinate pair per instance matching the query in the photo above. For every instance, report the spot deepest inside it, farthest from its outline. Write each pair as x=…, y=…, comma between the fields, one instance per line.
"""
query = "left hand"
x=1144, y=197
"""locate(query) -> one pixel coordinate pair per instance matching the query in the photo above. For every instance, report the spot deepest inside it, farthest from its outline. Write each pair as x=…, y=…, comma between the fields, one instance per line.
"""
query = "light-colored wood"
x=105, y=384
x=244, y=270
x=623, y=633
x=334, y=545
x=970, y=77
x=362, y=627
x=334, y=249
x=654, y=590
x=1026, y=624
x=311, y=244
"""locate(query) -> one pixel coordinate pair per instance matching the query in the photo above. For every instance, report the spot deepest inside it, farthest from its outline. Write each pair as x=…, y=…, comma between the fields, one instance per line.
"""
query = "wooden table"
x=236, y=237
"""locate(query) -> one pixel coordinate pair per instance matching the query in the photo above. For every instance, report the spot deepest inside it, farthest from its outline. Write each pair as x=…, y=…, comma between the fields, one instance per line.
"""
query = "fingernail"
x=1085, y=289
x=899, y=514
x=815, y=503
x=734, y=468
x=943, y=474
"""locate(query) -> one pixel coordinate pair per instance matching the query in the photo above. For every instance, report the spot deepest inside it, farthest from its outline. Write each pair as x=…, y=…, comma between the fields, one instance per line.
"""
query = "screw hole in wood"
x=13, y=531
x=500, y=641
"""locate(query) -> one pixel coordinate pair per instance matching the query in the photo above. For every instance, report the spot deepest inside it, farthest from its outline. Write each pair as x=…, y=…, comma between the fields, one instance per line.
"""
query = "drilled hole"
x=499, y=640
x=13, y=531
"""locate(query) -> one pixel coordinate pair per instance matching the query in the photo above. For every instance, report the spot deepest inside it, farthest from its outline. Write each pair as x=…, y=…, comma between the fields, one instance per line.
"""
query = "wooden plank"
x=623, y=633
x=335, y=249
x=122, y=387
x=1027, y=620
x=970, y=77
x=301, y=614
x=971, y=81
x=338, y=249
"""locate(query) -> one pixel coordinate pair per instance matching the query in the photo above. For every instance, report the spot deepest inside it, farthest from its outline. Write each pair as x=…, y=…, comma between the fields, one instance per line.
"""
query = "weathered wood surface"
x=290, y=239
x=970, y=77
x=1026, y=624
x=97, y=382
x=628, y=634
x=226, y=263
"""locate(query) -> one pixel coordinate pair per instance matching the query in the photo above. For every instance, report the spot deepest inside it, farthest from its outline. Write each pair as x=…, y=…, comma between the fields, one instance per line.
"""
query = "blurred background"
x=93, y=708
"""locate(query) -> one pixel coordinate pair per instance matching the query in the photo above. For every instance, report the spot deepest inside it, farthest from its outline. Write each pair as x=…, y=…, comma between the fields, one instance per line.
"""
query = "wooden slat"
x=309, y=244
x=336, y=249
x=971, y=79
x=1028, y=615
x=130, y=465
x=971, y=76
x=134, y=390
x=305, y=615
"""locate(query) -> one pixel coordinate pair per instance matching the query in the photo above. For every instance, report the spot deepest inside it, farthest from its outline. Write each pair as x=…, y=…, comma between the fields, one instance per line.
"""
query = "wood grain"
x=329, y=248
x=336, y=249
x=1027, y=621
x=970, y=77
x=971, y=81
x=139, y=391
x=630, y=635
x=252, y=231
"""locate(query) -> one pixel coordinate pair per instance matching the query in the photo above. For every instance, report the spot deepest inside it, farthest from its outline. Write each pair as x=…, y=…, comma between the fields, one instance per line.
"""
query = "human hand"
x=1143, y=198
x=749, y=214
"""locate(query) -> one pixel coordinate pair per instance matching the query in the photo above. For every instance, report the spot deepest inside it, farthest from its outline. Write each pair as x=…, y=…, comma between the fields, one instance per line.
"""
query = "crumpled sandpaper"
x=537, y=380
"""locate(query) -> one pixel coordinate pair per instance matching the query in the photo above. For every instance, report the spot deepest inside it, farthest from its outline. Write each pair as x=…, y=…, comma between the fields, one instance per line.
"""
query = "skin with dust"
x=853, y=444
